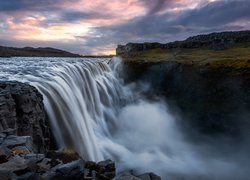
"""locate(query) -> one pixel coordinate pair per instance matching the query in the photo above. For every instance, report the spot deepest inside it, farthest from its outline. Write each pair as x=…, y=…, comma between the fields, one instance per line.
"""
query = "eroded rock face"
x=21, y=108
x=212, y=101
x=214, y=40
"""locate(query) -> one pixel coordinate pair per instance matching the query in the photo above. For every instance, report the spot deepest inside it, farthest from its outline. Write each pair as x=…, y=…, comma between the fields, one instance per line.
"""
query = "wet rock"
x=14, y=141
x=20, y=150
x=4, y=151
x=126, y=175
x=149, y=176
x=107, y=165
x=28, y=176
x=73, y=170
x=9, y=131
x=65, y=156
x=21, y=108
x=3, y=159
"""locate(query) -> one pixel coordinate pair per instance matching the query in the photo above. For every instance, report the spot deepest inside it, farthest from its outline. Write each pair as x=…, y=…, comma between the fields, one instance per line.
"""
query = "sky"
x=95, y=27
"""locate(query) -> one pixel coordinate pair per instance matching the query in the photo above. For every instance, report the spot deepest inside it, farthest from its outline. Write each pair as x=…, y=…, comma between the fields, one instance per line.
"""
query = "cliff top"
x=230, y=49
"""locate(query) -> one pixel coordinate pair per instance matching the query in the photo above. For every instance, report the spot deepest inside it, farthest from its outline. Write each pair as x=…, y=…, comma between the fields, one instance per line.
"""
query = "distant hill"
x=34, y=52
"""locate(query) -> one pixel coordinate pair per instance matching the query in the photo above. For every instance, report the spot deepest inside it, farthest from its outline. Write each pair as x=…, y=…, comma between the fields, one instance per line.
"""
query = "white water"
x=91, y=111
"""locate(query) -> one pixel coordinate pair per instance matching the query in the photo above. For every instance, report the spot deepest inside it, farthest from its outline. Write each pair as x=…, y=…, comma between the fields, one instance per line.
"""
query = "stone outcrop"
x=19, y=161
x=129, y=175
x=22, y=109
x=213, y=40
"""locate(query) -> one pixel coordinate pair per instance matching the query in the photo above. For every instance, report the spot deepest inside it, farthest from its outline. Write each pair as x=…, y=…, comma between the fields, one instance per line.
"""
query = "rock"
x=91, y=165
x=126, y=175
x=3, y=159
x=9, y=131
x=14, y=165
x=149, y=176
x=214, y=40
x=213, y=102
x=28, y=176
x=107, y=165
x=14, y=141
x=45, y=165
x=4, y=151
x=65, y=156
x=21, y=108
x=34, y=157
x=20, y=150
x=73, y=170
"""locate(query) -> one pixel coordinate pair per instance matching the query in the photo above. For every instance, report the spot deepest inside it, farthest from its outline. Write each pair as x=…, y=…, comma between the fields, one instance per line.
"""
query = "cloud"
x=101, y=25
x=214, y=16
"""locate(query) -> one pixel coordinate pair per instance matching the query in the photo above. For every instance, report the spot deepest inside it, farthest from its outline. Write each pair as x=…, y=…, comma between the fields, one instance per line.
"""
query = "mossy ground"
x=236, y=56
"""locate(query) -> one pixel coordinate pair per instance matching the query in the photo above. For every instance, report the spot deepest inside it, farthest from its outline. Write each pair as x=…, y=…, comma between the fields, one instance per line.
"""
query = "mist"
x=149, y=139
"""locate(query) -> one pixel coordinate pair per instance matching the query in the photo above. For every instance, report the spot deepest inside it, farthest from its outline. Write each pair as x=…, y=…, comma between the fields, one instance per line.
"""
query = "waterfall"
x=81, y=100
x=92, y=112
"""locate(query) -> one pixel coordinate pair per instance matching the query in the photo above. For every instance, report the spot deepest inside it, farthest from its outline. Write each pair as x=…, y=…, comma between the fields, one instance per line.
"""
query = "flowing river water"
x=92, y=111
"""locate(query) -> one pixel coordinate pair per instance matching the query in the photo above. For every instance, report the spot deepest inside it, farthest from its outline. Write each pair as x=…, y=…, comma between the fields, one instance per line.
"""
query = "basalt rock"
x=211, y=101
x=22, y=109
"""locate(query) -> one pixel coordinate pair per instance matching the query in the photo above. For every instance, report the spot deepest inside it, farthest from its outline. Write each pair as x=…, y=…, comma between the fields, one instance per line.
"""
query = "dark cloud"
x=216, y=14
x=80, y=15
x=153, y=27
x=159, y=22
x=17, y=5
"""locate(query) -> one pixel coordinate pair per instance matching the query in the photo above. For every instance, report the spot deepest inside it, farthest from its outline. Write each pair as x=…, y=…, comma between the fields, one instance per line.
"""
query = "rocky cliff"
x=214, y=41
x=22, y=109
x=211, y=101
x=206, y=77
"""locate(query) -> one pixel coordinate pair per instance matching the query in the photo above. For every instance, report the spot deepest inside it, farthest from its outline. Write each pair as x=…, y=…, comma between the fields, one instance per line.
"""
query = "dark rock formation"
x=129, y=175
x=213, y=40
x=212, y=101
x=21, y=108
x=34, y=52
x=24, y=133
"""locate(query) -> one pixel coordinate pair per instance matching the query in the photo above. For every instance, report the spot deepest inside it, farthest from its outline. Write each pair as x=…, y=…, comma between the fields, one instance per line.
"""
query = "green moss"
x=236, y=56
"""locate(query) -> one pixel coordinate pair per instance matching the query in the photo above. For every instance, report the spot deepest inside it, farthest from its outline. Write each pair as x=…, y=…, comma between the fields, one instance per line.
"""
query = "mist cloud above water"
x=149, y=139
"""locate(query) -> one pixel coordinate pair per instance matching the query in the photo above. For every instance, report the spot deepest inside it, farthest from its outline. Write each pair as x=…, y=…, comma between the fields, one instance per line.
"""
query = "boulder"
x=149, y=176
x=72, y=170
x=126, y=175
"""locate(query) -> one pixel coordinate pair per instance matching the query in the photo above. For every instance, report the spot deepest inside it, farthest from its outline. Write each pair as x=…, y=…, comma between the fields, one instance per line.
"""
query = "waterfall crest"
x=81, y=99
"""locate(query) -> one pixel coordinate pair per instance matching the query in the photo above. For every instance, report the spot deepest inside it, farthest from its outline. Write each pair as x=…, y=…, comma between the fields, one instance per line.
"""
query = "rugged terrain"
x=205, y=78
x=27, y=147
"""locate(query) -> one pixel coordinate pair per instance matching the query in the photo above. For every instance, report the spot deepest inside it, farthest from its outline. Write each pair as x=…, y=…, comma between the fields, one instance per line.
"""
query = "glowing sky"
x=97, y=26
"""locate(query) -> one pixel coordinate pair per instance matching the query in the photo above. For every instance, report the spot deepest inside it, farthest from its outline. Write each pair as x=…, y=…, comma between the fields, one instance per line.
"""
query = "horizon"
x=87, y=28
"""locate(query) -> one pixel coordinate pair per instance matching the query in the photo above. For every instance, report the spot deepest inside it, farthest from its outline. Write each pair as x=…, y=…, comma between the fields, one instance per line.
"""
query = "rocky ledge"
x=214, y=41
x=26, y=142
x=22, y=109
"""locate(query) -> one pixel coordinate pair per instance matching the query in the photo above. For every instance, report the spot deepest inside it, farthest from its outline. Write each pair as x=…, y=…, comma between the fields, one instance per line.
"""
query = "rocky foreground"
x=26, y=143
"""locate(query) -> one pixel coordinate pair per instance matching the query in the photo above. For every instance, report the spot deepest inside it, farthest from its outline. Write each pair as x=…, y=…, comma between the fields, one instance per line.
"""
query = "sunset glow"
x=96, y=27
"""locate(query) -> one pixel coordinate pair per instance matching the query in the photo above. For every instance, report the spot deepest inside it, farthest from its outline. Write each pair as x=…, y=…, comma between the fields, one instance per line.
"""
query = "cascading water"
x=91, y=111
x=81, y=99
